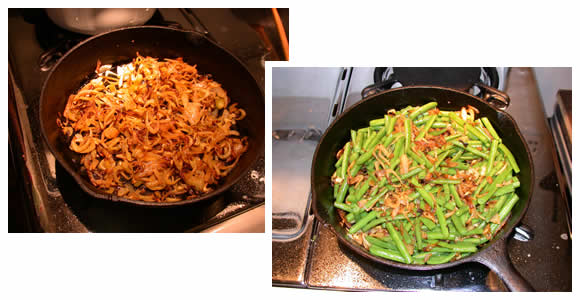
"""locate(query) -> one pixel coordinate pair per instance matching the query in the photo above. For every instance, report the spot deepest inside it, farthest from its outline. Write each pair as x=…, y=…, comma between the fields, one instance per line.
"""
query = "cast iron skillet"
x=494, y=254
x=119, y=46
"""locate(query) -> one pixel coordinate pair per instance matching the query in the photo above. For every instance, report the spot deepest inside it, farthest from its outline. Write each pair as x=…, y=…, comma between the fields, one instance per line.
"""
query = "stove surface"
x=61, y=206
x=545, y=260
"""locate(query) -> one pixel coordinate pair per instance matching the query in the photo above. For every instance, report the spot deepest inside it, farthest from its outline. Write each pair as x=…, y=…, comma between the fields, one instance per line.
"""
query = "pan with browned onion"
x=494, y=254
x=120, y=47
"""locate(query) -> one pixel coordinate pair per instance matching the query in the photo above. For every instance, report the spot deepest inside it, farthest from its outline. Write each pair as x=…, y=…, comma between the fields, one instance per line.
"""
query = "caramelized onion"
x=154, y=130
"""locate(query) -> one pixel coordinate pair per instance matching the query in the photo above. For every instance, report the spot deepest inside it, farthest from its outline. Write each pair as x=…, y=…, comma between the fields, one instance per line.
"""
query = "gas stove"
x=306, y=254
x=59, y=205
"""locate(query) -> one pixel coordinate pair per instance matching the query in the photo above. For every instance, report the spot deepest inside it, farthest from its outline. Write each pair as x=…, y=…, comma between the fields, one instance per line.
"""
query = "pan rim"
x=85, y=185
x=359, y=250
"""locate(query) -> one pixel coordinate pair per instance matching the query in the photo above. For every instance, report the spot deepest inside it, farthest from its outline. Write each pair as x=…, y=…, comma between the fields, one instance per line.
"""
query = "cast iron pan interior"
x=375, y=107
x=120, y=46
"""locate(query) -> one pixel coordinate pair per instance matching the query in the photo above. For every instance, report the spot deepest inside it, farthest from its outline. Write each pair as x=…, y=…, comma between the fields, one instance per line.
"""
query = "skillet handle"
x=497, y=259
x=495, y=97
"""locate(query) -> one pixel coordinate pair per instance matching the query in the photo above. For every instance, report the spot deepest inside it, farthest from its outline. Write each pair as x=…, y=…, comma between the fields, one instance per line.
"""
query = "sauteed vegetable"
x=425, y=186
x=153, y=130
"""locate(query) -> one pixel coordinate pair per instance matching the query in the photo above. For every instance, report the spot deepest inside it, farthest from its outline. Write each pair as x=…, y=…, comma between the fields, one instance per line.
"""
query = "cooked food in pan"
x=425, y=186
x=153, y=130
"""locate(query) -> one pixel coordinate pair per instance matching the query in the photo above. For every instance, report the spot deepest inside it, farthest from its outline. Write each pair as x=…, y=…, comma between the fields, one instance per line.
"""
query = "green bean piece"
x=458, y=224
x=369, y=140
x=381, y=243
x=406, y=236
x=440, y=259
x=374, y=199
x=388, y=254
x=342, y=192
x=459, y=247
x=455, y=118
x=399, y=146
x=399, y=243
x=362, y=222
x=442, y=221
x=492, y=188
x=336, y=188
x=492, y=154
x=418, y=234
x=510, y=157
x=430, y=121
x=344, y=206
x=373, y=223
x=430, y=225
x=408, y=135
x=364, y=158
x=437, y=132
x=490, y=128
x=377, y=138
x=440, y=159
x=505, y=211
x=456, y=197
x=350, y=218
x=345, y=161
x=422, y=110
x=361, y=190
x=428, y=197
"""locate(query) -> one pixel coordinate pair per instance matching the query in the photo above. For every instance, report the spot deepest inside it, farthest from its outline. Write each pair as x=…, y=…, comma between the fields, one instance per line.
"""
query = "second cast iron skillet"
x=493, y=254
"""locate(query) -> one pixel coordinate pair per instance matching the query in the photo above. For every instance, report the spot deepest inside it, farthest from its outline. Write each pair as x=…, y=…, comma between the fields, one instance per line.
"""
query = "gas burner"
x=463, y=79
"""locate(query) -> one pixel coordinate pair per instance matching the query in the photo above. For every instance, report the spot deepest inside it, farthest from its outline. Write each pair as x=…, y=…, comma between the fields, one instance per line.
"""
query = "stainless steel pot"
x=97, y=20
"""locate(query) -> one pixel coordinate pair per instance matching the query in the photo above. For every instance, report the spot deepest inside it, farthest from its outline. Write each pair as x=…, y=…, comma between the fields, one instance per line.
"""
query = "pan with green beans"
x=424, y=184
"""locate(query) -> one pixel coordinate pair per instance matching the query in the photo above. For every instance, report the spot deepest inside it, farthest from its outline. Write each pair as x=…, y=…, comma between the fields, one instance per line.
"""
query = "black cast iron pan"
x=494, y=254
x=119, y=46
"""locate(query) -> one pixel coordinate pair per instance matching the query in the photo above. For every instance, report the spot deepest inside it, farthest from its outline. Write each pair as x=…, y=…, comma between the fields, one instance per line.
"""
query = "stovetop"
x=315, y=259
x=35, y=44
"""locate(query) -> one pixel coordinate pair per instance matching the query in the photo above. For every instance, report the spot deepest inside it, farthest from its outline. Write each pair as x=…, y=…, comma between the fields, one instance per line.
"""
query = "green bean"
x=374, y=199
x=437, y=235
x=492, y=188
x=391, y=125
x=456, y=197
x=373, y=224
x=455, y=118
x=430, y=121
x=505, y=211
x=459, y=247
x=344, y=206
x=422, y=109
x=442, y=221
x=399, y=243
x=408, y=135
x=453, y=137
x=362, y=222
x=345, y=161
x=342, y=192
x=490, y=128
x=350, y=218
x=510, y=157
x=430, y=225
x=418, y=234
x=381, y=243
x=361, y=190
x=428, y=197
x=440, y=159
x=440, y=259
x=437, y=132
x=388, y=254
x=377, y=138
x=458, y=224
x=492, y=154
